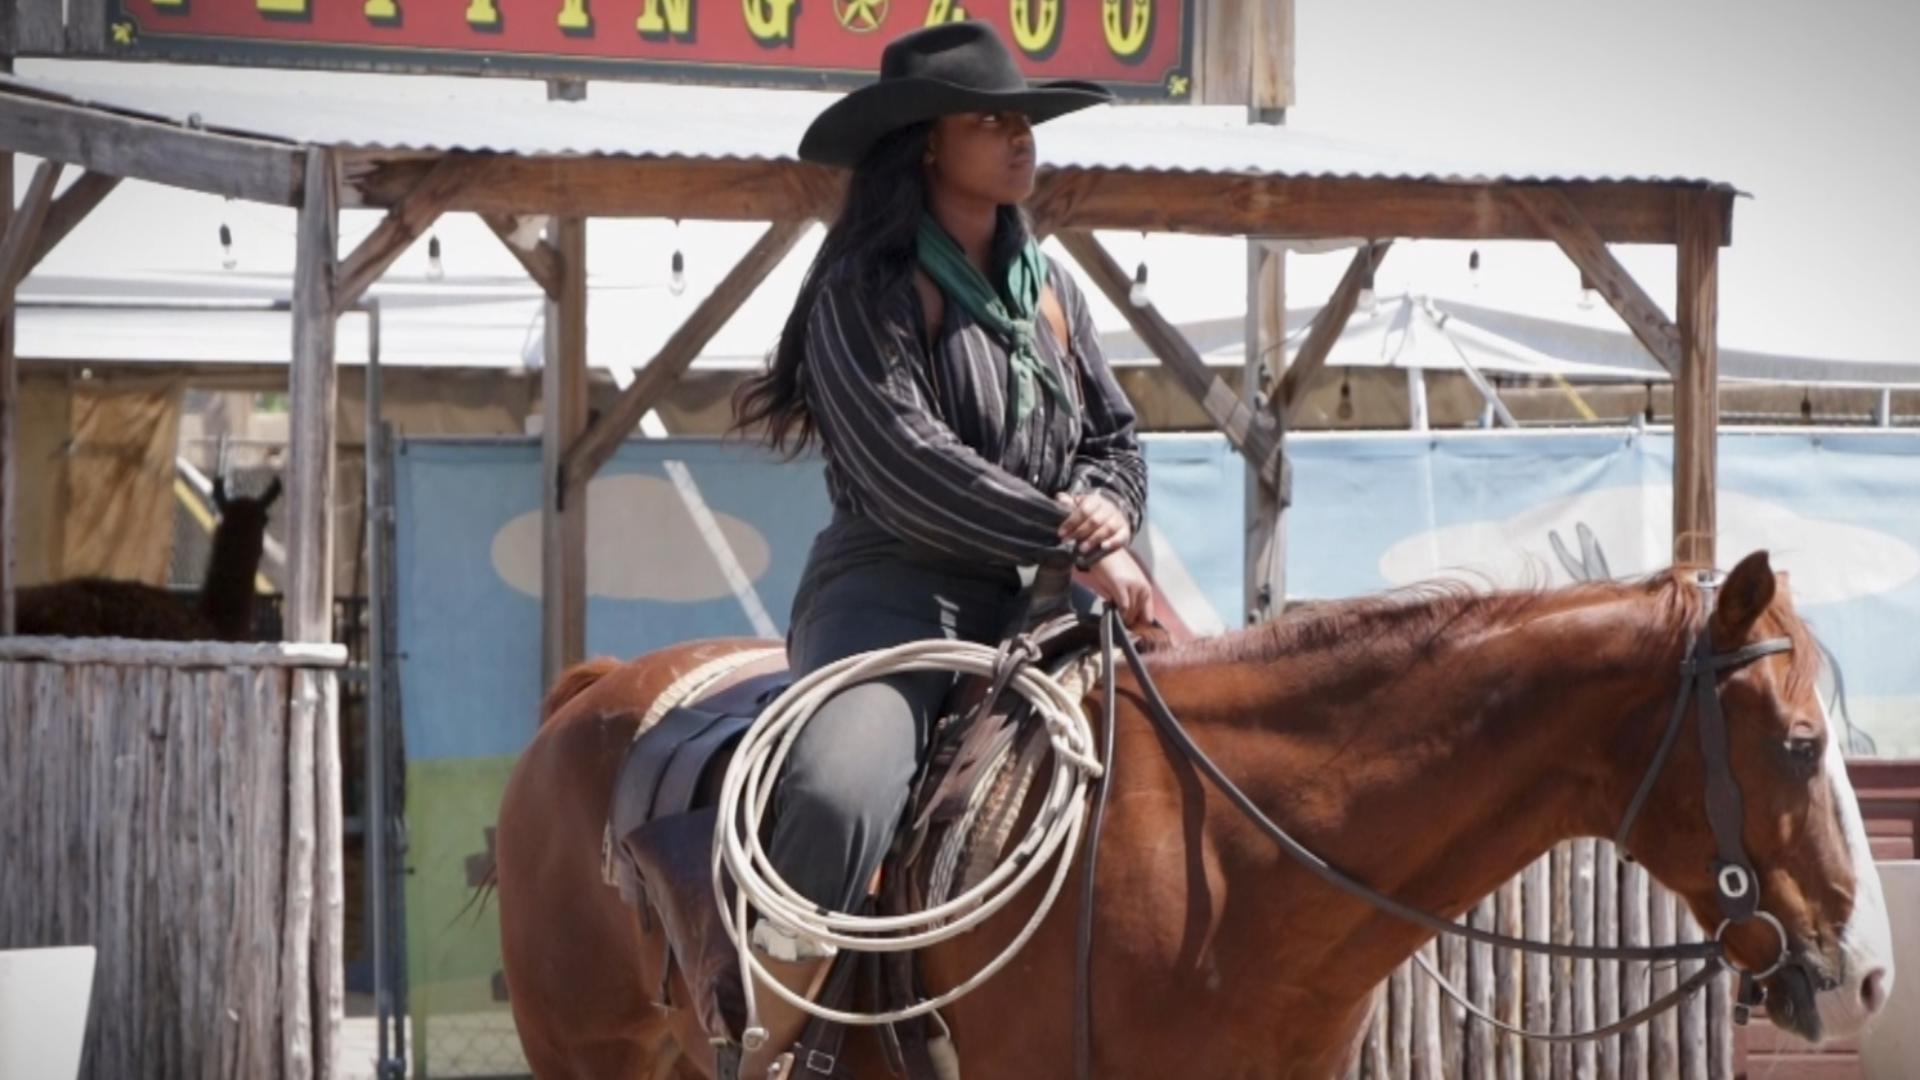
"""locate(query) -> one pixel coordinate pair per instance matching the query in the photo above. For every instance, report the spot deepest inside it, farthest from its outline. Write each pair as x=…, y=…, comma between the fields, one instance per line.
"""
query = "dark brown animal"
x=222, y=610
x=1433, y=743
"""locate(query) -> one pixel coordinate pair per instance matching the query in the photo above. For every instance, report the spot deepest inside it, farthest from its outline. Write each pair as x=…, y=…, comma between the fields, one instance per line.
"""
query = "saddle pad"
x=698, y=716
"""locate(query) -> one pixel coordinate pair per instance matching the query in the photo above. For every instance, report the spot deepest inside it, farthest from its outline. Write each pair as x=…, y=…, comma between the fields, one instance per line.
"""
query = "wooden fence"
x=1582, y=893
x=176, y=805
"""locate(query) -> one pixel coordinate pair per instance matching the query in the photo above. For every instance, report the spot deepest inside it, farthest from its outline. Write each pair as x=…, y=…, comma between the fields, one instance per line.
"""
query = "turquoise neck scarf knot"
x=1011, y=315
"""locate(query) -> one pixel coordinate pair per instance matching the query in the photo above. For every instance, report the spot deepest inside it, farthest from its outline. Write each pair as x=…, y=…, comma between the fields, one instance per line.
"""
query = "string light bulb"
x=677, y=278
x=1137, y=296
x=227, y=261
x=436, y=270
x=1473, y=267
x=1806, y=405
x=1344, y=411
x=1588, y=294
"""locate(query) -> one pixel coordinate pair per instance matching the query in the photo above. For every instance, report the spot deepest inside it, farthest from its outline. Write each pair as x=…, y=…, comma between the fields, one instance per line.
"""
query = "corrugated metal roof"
x=397, y=113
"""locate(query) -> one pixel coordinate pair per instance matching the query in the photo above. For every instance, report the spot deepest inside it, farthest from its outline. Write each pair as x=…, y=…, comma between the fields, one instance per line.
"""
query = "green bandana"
x=1012, y=323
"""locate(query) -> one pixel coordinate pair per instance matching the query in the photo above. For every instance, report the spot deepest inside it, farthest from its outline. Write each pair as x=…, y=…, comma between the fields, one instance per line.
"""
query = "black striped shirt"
x=919, y=445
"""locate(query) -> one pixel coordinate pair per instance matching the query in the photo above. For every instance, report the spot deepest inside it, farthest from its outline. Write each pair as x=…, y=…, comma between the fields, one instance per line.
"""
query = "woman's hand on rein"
x=1118, y=580
x=1094, y=524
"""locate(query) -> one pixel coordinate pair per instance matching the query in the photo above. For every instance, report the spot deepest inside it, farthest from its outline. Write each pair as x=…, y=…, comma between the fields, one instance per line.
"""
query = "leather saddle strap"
x=1083, y=946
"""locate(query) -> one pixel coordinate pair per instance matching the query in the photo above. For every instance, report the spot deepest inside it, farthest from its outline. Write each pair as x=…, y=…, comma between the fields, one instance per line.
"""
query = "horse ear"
x=272, y=493
x=1744, y=596
x=220, y=493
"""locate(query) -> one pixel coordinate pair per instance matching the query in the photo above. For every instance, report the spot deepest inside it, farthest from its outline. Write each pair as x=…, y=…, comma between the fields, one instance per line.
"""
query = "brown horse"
x=1432, y=743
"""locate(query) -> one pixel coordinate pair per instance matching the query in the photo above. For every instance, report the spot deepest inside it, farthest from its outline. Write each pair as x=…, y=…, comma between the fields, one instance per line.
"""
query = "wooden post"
x=9, y=395
x=311, y=956
x=1696, y=397
x=1265, y=588
x=1538, y=900
x=314, y=392
x=563, y=517
x=1606, y=915
x=1635, y=979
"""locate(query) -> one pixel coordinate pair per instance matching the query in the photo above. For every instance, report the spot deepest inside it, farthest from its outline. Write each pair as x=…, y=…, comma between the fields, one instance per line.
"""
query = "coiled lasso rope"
x=1054, y=834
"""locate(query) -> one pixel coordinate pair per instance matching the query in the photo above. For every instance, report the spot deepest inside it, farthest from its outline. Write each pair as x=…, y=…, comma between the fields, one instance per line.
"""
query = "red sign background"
x=1142, y=47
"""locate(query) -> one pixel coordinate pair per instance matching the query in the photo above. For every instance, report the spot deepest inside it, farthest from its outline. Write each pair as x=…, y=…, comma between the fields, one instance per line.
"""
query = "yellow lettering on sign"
x=1127, y=23
x=573, y=16
x=770, y=21
x=945, y=11
x=659, y=18
x=381, y=10
x=281, y=7
x=1036, y=34
x=483, y=13
x=165, y=4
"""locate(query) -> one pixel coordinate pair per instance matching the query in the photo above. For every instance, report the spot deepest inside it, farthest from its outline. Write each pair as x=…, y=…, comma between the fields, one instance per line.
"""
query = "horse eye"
x=1804, y=750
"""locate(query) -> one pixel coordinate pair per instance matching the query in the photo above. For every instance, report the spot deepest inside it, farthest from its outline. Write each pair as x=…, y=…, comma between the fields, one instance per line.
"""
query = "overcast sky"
x=1811, y=109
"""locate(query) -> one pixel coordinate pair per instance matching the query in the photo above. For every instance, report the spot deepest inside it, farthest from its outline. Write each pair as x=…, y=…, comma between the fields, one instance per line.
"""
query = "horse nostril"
x=1873, y=990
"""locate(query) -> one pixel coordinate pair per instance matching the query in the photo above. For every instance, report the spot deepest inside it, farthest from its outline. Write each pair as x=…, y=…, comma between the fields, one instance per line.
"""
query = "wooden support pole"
x=585, y=456
x=1560, y=220
x=1328, y=326
x=313, y=390
x=9, y=395
x=404, y=224
x=563, y=519
x=1264, y=583
x=23, y=231
x=1254, y=434
x=19, y=230
x=69, y=210
x=541, y=261
x=1696, y=398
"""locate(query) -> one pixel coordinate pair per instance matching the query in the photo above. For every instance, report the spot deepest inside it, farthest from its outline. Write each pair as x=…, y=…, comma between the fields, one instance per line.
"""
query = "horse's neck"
x=1437, y=778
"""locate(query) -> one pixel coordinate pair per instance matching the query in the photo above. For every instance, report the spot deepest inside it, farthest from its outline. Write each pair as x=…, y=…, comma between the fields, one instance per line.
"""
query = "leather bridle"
x=1736, y=884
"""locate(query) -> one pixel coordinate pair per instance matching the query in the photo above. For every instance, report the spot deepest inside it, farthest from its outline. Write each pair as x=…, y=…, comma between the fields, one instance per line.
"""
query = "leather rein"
x=1736, y=884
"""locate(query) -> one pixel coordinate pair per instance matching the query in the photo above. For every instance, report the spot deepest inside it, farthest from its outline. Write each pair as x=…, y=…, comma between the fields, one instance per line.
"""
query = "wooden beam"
x=592, y=450
x=129, y=146
x=404, y=224
x=1696, y=398
x=1251, y=432
x=541, y=261
x=1328, y=325
x=313, y=390
x=1560, y=220
x=23, y=231
x=70, y=209
x=1220, y=204
x=563, y=509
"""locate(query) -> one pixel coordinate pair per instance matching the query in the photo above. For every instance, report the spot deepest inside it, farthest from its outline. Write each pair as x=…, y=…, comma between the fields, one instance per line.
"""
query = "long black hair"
x=873, y=238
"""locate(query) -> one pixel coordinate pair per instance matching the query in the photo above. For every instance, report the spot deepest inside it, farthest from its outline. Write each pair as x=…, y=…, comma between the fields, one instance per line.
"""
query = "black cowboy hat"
x=950, y=68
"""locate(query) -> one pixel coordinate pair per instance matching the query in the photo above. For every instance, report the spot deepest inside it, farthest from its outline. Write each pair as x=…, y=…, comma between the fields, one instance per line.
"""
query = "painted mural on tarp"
x=686, y=539
x=1838, y=510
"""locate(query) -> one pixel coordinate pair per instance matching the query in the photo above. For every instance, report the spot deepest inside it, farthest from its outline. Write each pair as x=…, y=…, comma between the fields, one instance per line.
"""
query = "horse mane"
x=1406, y=623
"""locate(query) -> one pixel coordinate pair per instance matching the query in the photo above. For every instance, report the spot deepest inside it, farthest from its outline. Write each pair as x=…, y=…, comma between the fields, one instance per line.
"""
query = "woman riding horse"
x=971, y=427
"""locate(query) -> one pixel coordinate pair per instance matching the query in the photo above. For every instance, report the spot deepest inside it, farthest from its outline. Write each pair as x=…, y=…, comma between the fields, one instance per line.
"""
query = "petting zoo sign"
x=1140, y=48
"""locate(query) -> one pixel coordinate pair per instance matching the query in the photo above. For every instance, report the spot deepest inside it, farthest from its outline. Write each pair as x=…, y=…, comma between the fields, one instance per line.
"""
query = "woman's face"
x=982, y=155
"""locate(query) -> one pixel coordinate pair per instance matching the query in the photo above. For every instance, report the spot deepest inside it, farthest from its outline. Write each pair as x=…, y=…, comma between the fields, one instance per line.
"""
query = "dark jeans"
x=846, y=782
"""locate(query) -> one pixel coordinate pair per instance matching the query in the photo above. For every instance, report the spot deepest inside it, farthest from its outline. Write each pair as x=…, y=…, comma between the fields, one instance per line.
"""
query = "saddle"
x=962, y=812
